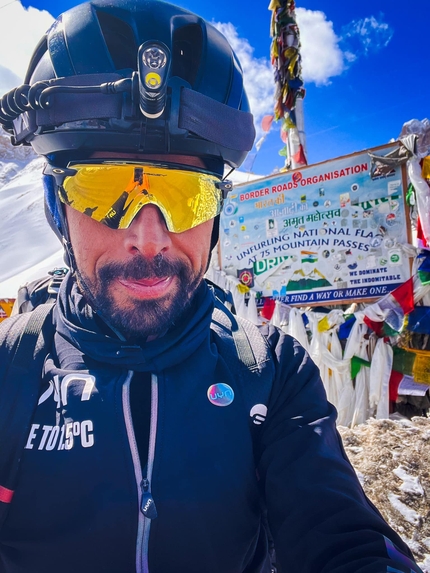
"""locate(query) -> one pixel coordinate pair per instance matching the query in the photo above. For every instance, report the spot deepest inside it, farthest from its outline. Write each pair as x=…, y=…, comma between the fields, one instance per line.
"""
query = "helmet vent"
x=120, y=40
x=187, y=48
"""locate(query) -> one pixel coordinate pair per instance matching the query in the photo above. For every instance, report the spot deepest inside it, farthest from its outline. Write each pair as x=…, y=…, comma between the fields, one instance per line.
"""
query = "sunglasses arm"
x=225, y=187
x=59, y=173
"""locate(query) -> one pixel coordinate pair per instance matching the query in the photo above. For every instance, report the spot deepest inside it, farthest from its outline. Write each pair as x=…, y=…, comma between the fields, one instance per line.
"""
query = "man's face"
x=140, y=279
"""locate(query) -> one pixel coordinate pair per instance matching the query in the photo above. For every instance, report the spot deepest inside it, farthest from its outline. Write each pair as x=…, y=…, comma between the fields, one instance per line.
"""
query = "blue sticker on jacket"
x=220, y=394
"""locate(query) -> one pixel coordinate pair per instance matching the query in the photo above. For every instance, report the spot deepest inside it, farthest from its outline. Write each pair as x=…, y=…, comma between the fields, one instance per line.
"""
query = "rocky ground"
x=392, y=460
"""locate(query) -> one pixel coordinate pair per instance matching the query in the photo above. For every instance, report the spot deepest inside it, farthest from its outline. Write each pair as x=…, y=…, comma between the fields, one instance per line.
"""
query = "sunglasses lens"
x=114, y=194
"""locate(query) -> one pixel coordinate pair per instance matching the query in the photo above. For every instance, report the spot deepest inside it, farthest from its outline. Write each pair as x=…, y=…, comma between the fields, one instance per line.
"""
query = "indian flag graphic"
x=309, y=257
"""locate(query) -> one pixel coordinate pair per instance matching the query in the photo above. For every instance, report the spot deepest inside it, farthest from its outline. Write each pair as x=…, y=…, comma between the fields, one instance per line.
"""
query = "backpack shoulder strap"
x=39, y=291
x=24, y=342
x=248, y=354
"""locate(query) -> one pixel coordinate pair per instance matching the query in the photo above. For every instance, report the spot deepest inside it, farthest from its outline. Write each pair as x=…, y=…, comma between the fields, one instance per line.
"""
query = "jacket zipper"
x=147, y=509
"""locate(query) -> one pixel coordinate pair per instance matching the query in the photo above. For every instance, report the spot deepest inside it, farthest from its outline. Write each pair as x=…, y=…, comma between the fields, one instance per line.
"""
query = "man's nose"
x=148, y=233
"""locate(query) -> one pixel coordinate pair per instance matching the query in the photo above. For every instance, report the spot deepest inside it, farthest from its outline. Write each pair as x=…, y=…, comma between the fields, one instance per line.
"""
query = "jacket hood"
x=78, y=323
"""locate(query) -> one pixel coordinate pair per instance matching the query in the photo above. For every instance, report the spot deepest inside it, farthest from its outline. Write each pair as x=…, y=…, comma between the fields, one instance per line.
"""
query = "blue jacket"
x=85, y=502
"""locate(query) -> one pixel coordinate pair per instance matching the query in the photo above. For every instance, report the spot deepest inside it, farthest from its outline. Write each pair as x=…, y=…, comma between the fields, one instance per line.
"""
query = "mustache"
x=141, y=268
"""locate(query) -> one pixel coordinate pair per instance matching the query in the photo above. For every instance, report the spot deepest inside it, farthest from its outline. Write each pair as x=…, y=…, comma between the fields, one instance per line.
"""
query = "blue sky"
x=364, y=64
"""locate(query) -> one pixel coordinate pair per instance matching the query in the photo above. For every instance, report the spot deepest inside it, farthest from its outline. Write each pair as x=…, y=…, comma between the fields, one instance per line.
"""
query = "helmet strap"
x=58, y=223
x=69, y=256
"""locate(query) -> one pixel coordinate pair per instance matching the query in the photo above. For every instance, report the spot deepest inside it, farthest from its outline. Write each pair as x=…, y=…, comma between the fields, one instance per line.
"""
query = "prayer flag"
x=421, y=369
x=394, y=321
x=394, y=383
x=424, y=268
x=419, y=320
x=284, y=135
x=420, y=234
x=268, y=308
x=356, y=364
x=274, y=5
x=243, y=289
x=266, y=123
x=345, y=328
x=425, y=262
x=424, y=277
x=403, y=361
x=299, y=157
x=374, y=325
x=323, y=325
x=389, y=330
x=404, y=295
x=249, y=162
x=260, y=143
x=426, y=169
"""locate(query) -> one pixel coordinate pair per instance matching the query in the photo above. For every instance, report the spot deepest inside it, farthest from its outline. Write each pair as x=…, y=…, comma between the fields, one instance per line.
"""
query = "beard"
x=140, y=319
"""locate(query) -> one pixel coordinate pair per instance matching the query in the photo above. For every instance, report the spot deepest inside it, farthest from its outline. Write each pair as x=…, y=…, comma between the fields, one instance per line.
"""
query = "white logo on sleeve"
x=258, y=413
x=86, y=380
x=85, y=384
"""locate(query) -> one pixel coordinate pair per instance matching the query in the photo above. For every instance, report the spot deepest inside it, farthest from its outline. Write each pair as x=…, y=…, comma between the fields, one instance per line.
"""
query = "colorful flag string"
x=289, y=90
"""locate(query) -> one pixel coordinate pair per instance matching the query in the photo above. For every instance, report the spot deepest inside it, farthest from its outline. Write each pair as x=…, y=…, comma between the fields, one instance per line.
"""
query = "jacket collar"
x=78, y=324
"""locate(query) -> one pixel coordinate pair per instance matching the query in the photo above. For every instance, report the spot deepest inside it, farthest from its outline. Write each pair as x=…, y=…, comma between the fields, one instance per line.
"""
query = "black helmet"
x=138, y=76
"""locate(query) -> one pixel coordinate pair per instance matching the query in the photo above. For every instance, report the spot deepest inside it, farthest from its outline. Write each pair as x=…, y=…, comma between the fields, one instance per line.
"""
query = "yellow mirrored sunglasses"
x=114, y=193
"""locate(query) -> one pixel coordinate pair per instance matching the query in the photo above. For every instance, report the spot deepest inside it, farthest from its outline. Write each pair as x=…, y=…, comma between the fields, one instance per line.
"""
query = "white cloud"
x=326, y=55
x=22, y=29
x=366, y=35
x=322, y=57
x=257, y=74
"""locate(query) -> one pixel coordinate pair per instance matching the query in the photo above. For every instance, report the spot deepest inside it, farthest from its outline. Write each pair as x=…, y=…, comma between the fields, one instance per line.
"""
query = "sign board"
x=323, y=234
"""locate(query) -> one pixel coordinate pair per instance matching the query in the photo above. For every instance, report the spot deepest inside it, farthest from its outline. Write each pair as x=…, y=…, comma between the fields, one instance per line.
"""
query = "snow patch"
x=425, y=565
x=408, y=513
x=410, y=483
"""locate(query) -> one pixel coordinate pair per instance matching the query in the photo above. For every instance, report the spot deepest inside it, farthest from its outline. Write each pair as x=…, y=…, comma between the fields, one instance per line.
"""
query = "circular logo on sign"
x=391, y=219
x=220, y=394
x=246, y=278
x=230, y=209
x=376, y=241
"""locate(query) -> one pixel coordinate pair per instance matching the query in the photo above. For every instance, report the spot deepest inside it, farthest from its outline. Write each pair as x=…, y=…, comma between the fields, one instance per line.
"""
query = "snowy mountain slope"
x=13, y=159
x=28, y=247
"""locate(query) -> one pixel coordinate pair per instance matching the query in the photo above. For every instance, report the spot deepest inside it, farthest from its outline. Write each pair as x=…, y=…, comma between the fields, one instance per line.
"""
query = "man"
x=140, y=455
